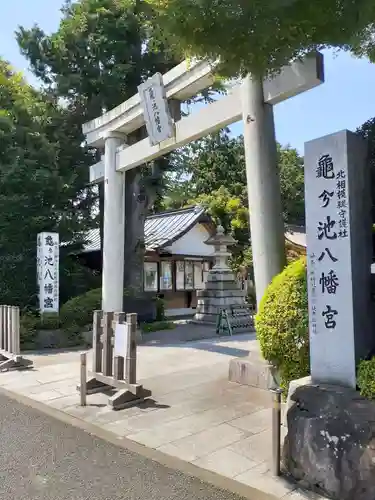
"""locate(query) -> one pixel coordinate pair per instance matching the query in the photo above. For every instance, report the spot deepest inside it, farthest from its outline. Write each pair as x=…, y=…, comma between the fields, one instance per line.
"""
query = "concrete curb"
x=169, y=461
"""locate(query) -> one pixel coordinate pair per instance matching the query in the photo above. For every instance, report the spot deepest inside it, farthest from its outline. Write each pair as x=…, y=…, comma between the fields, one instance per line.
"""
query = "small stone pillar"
x=221, y=289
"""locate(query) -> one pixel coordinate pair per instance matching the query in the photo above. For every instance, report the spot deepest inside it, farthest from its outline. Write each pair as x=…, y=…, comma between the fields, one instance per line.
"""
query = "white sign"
x=156, y=111
x=121, y=339
x=48, y=272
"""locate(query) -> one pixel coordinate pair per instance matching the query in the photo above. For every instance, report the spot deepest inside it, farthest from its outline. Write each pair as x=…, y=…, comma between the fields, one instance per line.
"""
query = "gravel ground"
x=43, y=458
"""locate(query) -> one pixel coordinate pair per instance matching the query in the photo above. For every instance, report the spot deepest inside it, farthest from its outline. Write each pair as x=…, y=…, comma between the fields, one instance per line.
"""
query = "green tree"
x=204, y=166
x=218, y=160
x=211, y=172
x=39, y=189
x=367, y=131
x=291, y=184
x=230, y=212
x=177, y=192
x=264, y=36
x=101, y=52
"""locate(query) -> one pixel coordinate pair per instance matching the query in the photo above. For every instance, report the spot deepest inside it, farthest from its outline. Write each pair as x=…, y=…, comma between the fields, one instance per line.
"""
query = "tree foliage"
x=40, y=188
x=227, y=211
x=291, y=184
x=211, y=172
x=262, y=36
x=101, y=52
x=367, y=131
x=218, y=160
x=230, y=212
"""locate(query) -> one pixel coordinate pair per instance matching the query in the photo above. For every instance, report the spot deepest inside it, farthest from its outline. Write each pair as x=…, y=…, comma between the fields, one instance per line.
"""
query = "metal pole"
x=276, y=430
x=83, y=386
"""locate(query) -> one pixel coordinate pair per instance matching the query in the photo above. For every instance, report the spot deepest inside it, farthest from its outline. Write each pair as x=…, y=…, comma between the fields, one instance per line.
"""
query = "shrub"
x=366, y=378
x=71, y=336
x=293, y=252
x=29, y=323
x=282, y=323
x=156, y=326
x=160, y=309
x=49, y=321
x=77, y=312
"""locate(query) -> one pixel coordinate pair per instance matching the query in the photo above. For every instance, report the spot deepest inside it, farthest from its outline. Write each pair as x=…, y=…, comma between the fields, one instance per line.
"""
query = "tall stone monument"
x=329, y=444
x=221, y=289
x=339, y=250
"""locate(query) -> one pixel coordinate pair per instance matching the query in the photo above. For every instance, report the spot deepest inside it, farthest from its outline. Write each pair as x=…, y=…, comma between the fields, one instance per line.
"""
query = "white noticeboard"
x=154, y=102
x=329, y=261
x=121, y=339
x=48, y=272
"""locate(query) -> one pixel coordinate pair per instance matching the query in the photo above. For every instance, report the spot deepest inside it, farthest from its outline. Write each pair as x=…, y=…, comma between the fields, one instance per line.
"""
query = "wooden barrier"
x=237, y=317
x=10, y=350
x=110, y=369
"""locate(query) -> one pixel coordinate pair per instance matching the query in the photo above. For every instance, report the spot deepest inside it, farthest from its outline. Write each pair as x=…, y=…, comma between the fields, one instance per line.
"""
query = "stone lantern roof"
x=220, y=238
x=221, y=242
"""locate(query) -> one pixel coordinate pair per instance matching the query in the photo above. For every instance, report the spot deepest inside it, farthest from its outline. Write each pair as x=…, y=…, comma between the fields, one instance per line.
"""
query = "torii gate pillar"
x=263, y=186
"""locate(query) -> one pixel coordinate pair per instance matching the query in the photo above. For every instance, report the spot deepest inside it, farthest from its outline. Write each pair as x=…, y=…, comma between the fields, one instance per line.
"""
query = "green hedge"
x=160, y=309
x=49, y=321
x=282, y=328
x=157, y=326
x=74, y=316
x=77, y=312
x=29, y=324
x=366, y=378
x=282, y=323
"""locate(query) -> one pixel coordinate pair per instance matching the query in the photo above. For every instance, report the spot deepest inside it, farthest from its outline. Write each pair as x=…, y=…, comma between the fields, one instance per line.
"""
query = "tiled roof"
x=93, y=241
x=296, y=235
x=161, y=229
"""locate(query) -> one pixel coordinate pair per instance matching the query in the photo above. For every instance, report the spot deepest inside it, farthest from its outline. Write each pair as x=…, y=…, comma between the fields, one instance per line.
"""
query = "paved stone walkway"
x=194, y=414
x=185, y=331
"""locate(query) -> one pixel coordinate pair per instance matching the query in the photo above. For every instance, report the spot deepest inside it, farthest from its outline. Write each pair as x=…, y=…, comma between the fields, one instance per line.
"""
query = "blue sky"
x=345, y=100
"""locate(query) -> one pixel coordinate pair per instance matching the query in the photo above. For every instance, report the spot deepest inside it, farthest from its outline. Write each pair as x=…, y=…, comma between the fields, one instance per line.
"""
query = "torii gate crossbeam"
x=252, y=100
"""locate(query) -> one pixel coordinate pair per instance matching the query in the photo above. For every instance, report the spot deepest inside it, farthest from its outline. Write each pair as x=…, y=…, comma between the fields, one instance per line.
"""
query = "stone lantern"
x=221, y=289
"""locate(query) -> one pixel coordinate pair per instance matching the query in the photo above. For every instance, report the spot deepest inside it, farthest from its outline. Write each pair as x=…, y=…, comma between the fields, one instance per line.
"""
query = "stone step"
x=221, y=293
x=253, y=371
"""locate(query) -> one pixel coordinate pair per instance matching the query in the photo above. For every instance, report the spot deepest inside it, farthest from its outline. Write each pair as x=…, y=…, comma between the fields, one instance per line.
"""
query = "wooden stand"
x=110, y=371
x=10, y=351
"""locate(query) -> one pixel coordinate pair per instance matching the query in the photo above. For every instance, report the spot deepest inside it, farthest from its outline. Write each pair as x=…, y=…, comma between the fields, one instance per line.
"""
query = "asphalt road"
x=43, y=458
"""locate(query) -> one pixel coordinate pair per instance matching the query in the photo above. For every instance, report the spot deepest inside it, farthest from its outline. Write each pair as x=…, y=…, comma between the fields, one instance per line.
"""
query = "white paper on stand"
x=121, y=339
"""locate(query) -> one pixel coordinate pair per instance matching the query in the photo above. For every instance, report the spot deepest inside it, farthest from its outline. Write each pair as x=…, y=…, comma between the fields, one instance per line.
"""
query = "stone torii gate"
x=252, y=101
